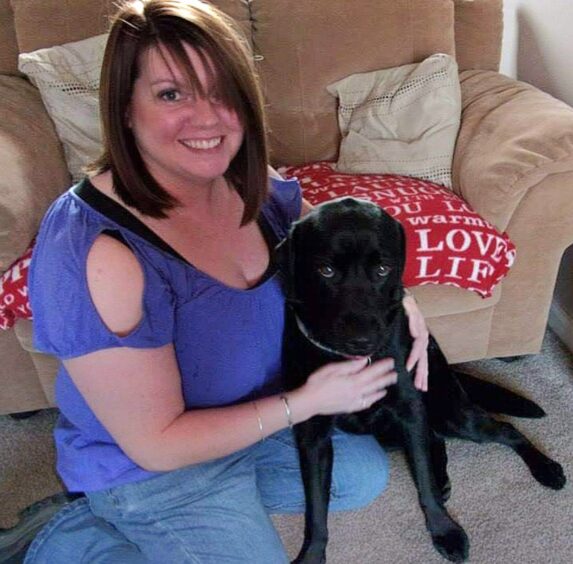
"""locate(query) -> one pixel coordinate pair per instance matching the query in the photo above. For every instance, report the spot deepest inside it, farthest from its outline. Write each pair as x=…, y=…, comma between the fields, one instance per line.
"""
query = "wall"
x=537, y=48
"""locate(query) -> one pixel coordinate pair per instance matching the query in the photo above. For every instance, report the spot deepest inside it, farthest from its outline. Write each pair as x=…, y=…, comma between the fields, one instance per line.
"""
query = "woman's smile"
x=202, y=144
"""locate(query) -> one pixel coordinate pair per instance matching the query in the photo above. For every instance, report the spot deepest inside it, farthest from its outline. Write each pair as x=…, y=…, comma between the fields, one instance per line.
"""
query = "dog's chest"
x=368, y=422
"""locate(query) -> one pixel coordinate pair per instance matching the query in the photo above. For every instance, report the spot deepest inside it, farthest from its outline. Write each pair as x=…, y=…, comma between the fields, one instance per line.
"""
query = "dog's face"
x=343, y=264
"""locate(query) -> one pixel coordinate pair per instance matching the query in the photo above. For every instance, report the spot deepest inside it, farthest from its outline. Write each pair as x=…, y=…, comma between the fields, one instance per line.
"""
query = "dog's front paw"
x=452, y=543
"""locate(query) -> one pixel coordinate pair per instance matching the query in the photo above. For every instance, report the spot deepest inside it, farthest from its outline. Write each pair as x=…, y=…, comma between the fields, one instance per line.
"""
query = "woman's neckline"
x=106, y=206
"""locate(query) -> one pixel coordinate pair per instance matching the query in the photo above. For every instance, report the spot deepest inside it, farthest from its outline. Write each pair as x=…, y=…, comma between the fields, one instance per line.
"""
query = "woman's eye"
x=170, y=95
x=326, y=271
x=382, y=270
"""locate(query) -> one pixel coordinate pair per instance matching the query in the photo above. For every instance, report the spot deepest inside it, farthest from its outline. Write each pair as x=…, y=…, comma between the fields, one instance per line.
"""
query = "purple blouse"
x=227, y=340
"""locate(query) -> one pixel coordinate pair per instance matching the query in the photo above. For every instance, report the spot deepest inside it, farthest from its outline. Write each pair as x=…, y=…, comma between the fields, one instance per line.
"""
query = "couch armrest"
x=32, y=167
x=512, y=137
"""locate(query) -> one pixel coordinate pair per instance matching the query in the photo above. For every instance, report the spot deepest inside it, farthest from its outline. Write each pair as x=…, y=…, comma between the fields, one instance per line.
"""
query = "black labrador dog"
x=343, y=265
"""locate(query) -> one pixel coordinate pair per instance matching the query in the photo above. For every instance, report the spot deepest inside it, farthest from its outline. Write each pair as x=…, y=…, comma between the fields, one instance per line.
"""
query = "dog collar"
x=302, y=328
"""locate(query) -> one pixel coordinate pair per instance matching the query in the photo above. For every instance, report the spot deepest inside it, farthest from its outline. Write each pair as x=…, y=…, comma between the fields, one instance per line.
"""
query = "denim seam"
x=115, y=501
x=171, y=533
x=121, y=506
x=50, y=526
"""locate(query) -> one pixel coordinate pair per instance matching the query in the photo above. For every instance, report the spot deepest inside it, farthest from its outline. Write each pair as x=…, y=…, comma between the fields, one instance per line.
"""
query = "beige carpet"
x=508, y=516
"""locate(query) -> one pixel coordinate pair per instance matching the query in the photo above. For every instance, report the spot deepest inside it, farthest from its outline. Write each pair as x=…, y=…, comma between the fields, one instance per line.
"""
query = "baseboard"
x=561, y=323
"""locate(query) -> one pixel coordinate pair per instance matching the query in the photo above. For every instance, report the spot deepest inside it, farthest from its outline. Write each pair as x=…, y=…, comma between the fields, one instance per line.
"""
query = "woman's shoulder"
x=116, y=283
x=284, y=203
x=67, y=211
x=67, y=233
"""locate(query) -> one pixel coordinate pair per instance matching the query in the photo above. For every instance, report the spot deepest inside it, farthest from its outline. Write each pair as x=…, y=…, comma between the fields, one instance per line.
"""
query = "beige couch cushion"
x=68, y=79
x=512, y=137
x=9, y=50
x=21, y=388
x=46, y=365
x=402, y=120
x=32, y=165
x=479, y=30
x=437, y=301
x=41, y=23
x=80, y=19
x=299, y=64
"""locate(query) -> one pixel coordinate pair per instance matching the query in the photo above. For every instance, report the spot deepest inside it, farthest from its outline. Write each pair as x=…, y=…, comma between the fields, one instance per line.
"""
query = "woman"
x=173, y=421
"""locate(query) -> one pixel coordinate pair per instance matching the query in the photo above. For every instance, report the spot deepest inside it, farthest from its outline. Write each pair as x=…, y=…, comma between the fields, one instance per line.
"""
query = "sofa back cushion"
x=45, y=23
x=8, y=46
x=80, y=19
x=305, y=46
x=479, y=31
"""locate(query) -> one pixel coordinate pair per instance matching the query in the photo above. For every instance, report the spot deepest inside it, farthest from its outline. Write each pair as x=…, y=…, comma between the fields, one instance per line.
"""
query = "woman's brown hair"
x=141, y=24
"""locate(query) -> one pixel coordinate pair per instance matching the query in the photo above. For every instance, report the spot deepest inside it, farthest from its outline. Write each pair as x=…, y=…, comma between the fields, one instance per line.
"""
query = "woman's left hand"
x=419, y=353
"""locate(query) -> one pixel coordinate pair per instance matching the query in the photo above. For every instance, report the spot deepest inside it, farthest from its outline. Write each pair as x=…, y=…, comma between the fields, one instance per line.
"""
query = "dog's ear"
x=390, y=227
x=400, y=242
x=398, y=292
x=401, y=248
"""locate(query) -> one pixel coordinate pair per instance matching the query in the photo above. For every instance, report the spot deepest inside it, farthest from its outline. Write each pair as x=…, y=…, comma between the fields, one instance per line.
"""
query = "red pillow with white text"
x=446, y=241
x=14, y=291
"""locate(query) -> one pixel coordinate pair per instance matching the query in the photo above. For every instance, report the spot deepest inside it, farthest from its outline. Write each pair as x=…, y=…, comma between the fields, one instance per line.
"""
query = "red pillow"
x=447, y=242
x=14, y=291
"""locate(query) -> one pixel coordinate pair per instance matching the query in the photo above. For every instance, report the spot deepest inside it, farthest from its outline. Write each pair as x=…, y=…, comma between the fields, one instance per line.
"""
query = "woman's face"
x=183, y=139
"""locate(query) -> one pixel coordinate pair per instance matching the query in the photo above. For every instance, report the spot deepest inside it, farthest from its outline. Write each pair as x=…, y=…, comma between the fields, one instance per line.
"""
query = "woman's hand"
x=347, y=386
x=419, y=354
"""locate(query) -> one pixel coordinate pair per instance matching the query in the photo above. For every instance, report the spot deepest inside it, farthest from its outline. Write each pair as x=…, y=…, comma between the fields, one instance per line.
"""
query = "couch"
x=513, y=160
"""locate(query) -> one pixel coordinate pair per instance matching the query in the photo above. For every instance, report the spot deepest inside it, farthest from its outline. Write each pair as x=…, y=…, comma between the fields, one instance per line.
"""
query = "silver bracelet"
x=287, y=411
x=259, y=419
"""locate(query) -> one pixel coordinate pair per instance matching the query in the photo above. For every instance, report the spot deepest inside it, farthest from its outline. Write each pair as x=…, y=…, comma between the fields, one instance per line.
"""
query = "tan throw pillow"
x=402, y=120
x=67, y=77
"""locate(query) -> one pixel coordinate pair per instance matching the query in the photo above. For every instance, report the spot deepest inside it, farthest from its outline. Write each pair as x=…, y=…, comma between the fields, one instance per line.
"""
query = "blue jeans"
x=215, y=512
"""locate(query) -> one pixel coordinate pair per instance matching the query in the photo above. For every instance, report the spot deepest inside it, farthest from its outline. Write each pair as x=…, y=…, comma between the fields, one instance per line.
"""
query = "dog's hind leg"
x=474, y=424
x=497, y=399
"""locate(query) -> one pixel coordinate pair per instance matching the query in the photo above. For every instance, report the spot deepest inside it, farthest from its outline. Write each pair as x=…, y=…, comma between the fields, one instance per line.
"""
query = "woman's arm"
x=306, y=207
x=136, y=393
x=419, y=354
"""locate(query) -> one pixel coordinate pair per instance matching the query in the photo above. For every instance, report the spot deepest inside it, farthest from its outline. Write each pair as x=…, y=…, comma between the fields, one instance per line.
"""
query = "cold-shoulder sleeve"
x=66, y=323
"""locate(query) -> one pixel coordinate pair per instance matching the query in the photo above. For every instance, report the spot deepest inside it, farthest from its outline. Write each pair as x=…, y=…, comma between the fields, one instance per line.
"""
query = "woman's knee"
x=75, y=534
x=360, y=473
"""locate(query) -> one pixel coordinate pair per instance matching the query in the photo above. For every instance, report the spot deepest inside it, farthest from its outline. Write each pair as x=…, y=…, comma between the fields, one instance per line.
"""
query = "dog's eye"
x=326, y=271
x=382, y=270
